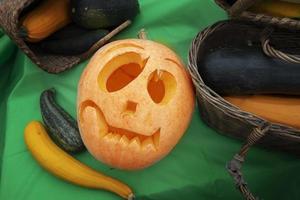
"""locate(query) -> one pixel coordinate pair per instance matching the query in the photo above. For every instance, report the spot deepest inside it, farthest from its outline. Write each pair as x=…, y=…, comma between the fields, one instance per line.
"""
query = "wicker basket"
x=228, y=119
x=238, y=10
x=10, y=11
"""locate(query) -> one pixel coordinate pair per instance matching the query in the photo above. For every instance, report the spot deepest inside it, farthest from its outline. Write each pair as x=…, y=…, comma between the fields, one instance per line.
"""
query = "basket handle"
x=241, y=5
x=235, y=165
x=269, y=50
x=105, y=39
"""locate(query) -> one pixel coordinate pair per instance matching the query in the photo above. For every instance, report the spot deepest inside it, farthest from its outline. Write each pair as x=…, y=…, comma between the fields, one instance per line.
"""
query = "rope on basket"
x=194, y=49
x=241, y=5
x=274, y=53
x=235, y=165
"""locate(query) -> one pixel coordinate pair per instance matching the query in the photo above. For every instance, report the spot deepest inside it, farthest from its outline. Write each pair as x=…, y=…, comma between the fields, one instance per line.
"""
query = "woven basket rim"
x=203, y=91
x=10, y=11
x=223, y=4
x=283, y=22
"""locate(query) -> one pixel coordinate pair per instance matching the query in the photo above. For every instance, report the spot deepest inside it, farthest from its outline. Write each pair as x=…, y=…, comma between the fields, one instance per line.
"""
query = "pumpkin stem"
x=142, y=34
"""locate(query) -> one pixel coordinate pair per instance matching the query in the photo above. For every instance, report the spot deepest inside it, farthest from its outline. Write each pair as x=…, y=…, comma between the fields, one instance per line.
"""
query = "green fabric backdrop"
x=195, y=169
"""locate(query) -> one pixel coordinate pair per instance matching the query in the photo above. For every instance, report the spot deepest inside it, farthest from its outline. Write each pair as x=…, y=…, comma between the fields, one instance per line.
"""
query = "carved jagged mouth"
x=131, y=137
x=124, y=136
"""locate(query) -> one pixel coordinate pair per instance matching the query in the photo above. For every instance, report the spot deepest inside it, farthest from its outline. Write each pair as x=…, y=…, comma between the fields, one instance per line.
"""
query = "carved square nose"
x=131, y=107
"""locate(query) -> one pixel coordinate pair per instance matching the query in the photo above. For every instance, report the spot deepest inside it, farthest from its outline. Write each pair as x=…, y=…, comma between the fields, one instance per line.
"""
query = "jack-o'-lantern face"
x=135, y=101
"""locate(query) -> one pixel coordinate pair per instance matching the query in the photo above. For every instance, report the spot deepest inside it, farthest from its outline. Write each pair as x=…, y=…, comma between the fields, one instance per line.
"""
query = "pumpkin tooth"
x=117, y=137
x=124, y=140
x=114, y=139
x=155, y=138
x=109, y=136
x=135, y=141
x=147, y=142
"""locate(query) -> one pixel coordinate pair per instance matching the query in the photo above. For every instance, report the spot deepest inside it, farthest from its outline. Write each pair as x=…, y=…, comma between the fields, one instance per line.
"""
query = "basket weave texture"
x=229, y=119
x=10, y=11
x=238, y=10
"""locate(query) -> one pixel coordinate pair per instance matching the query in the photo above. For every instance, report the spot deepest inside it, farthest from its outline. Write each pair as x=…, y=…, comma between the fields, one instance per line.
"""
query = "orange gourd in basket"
x=278, y=109
x=45, y=19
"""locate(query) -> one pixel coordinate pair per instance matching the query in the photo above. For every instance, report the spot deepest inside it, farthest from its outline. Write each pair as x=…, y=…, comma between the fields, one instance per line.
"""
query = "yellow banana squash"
x=47, y=18
x=278, y=109
x=61, y=164
x=277, y=8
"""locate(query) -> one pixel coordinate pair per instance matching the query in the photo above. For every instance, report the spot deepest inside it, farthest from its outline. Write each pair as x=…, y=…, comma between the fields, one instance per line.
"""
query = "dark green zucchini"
x=73, y=45
x=231, y=2
x=62, y=128
x=231, y=61
x=93, y=14
x=69, y=31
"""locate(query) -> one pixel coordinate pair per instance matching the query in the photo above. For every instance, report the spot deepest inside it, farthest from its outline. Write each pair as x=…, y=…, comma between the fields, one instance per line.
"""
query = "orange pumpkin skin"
x=135, y=101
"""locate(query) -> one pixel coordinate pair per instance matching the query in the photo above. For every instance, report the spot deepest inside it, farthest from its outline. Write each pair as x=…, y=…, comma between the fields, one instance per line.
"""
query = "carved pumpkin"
x=135, y=101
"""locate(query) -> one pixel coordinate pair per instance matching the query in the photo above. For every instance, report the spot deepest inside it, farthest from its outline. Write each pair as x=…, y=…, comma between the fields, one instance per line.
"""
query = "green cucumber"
x=73, y=45
x=62, y=128
x=94, y=14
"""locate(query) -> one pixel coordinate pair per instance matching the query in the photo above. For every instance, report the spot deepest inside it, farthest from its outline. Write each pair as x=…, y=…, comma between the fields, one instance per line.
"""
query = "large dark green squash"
x=94, y=14
x=69, y=31
x=72, y=40
x=62, y=128
x=231, y=61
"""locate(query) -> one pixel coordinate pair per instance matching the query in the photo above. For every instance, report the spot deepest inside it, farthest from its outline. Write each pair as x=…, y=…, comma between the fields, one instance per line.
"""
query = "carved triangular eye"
x=120, y=71
x=161, y=86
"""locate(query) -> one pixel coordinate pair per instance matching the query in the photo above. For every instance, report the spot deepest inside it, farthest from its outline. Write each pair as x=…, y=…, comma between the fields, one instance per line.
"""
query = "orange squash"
x=135, y=101
x=279, y=109
x=47, y=18
x=278, y=8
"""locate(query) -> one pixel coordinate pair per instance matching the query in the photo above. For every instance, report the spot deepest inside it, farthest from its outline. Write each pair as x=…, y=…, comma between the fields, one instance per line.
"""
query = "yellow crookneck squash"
x=45, y=19
x=56, y=161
